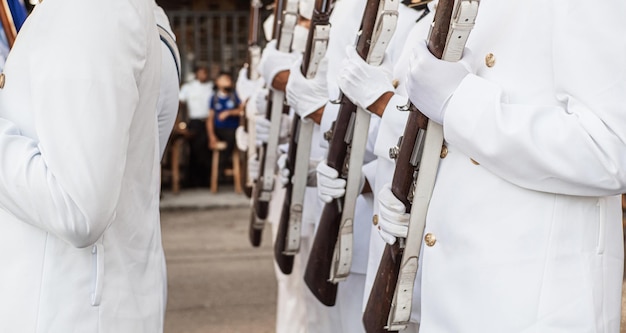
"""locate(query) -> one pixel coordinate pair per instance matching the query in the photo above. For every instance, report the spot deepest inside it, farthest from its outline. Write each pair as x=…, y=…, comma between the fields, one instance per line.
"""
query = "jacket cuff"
x=473, y=99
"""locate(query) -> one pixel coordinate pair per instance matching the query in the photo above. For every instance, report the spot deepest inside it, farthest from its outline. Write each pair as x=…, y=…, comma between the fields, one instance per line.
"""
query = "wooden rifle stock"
x=6, y=18
x=321, y=16
x=255, y=232
x=376, y=315
x=260, y=206
x=285, y=262
x=253, y=38
x=381, y=296
x=318, y=268
x=254, y=54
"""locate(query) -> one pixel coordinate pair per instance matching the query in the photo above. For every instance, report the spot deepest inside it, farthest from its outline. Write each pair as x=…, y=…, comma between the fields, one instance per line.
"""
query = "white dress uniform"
x=526, y=236
x=80, y=241
x=167, y=104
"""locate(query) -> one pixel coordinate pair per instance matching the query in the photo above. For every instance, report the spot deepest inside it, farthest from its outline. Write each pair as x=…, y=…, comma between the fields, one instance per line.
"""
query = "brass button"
x=444, y=151
x=490, y=60
x=2, y=80
x=375, y=220
x=474, y=161
x=395, y=83
x=430, y=239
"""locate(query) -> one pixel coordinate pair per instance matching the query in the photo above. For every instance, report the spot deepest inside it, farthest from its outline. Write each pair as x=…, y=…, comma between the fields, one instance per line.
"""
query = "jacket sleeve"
x=85, y=93
x=577, y=147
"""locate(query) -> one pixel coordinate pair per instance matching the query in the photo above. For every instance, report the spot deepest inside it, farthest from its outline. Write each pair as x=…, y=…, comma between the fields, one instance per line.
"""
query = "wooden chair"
x=215, y=168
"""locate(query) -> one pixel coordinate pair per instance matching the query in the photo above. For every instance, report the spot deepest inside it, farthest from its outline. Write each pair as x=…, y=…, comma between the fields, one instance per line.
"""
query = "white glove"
x=273, y=61
x=431, y=81
x=329, y=185
x=246, y=88
x=307, y=96
x=393, y=221
x=253, y=167
x=263, y=129
x=283, y=172
x=260, y=102
x=241, y=138
x=363, y=83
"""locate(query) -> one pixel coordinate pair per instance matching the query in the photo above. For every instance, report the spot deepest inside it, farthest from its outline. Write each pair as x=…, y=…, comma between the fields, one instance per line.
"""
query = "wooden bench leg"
x=215, y=167
x=236, y=171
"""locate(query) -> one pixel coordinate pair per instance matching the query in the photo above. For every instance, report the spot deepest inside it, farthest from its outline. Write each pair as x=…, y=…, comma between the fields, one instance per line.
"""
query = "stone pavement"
x=216, y=281
x=202, y=198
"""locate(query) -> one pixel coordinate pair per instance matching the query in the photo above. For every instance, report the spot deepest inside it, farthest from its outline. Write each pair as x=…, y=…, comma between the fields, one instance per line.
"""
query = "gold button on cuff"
x=444, y=151
x=375, y=220
x=490, y=60
x=430, y=239
x=2, y=80
x=474, y=161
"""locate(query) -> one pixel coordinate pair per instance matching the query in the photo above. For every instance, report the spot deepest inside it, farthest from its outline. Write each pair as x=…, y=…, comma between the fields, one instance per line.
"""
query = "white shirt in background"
x=196, y=95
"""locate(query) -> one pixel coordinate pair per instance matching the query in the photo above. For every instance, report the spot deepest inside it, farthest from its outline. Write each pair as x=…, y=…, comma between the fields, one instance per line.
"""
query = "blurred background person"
x=196, y=95
x=225, y=109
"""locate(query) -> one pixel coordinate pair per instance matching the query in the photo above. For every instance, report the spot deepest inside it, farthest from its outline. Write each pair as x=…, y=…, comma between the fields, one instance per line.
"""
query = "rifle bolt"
x=394, y=152
x=328, y=135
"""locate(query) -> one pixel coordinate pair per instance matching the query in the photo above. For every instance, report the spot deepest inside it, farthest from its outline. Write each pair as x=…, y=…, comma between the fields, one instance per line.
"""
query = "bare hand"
x=223, y=115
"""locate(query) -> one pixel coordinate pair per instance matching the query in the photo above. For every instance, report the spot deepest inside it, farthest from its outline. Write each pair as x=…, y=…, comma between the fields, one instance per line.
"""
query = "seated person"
x=225, y=110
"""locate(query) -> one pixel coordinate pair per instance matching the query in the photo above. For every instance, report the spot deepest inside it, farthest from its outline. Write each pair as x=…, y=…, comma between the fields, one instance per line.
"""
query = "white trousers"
x=290, y=308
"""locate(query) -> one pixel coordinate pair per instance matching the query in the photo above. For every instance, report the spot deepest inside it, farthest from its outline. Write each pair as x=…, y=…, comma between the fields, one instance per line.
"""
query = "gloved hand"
x=263, y=127
x=246, y=88
x=262, y=130
x=260, y=103
x=393, y=221
x=431, y=82
x=329, y=185
x=307, y=96
x=241, y=138
x=363, y=83
x=253, y=167
x=273, y=61
x=283, y=172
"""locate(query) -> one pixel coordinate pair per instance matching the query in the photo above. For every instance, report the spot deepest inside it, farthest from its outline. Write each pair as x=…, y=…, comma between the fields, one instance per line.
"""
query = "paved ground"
x=217, y=281
x=203, y=199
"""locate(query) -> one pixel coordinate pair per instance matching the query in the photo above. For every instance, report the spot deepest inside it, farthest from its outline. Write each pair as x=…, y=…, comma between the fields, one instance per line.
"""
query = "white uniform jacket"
x=80, y=241
x=530, y=240
x=167, y=104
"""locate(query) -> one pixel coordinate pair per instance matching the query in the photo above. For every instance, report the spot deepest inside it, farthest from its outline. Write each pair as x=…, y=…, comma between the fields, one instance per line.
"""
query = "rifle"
x=254, y=56
x=287, y=243
x=6, y=18
x=417, y=156
x=285, y=18
x=327, y=264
